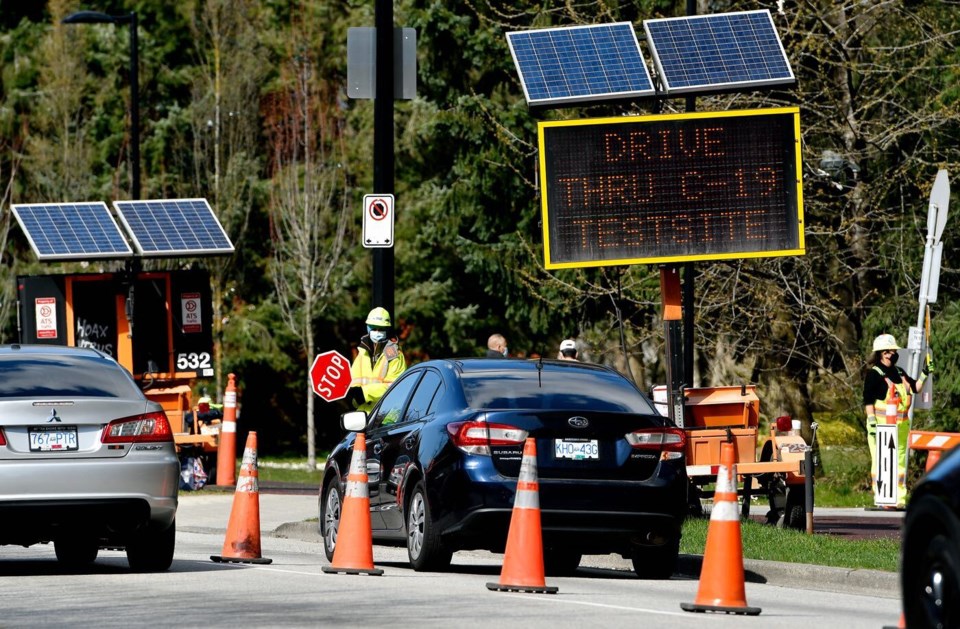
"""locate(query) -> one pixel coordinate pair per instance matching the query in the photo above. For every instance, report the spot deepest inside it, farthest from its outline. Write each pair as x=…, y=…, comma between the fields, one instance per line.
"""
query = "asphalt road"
x=293, y=591
x=290, y=511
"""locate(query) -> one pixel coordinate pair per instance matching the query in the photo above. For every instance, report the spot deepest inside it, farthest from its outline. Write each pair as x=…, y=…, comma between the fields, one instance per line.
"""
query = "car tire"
x=656, y=562
x=424, y=547
x=560, y=562
x=331, y=505
x=930, y=574
x=151, y=550
x=76, y=552
x=794, y=514
x=210, y=467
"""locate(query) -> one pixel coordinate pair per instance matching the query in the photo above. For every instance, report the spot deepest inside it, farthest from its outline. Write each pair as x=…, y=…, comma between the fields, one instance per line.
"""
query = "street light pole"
x=95, y=17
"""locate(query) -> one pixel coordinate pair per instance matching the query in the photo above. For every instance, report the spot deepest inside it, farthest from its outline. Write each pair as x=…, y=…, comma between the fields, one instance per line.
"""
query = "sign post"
x=330, y=376
x=933, y=251
x=929, y=282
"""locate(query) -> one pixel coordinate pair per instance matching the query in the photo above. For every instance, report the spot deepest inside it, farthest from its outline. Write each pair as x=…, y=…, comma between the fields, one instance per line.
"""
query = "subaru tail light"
x=670, y=441
x=476, y=437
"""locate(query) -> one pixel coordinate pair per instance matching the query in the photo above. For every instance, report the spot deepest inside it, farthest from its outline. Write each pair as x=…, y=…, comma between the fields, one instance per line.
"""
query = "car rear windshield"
x=63, y=376
x=554, y=390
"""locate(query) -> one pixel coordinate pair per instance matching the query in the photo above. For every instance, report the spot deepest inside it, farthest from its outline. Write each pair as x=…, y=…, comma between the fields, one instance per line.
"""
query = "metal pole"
x=688, y=270
x=808, y=486
x=134, y=109
x=383, y=267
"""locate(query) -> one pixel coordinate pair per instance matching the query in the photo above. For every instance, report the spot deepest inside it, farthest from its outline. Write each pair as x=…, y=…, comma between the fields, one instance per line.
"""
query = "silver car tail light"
x=150, y=427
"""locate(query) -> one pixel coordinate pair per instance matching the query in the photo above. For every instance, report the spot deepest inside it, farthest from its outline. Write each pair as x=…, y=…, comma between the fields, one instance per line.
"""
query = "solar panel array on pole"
x=88, y=231
x=694, y=54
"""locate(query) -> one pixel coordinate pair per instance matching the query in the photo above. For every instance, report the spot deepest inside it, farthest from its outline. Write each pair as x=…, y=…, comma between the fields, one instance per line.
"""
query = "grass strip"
x=768, y=543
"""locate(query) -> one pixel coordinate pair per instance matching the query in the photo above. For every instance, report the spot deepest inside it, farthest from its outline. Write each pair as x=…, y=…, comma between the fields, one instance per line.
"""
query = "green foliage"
x=876, y=85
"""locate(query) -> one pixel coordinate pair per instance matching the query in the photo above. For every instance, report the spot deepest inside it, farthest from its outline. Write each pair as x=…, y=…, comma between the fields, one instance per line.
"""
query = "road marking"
x=538, y=597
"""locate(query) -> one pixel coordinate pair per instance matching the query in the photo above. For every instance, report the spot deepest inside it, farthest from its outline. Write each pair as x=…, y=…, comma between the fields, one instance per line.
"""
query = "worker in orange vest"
x=886, y=383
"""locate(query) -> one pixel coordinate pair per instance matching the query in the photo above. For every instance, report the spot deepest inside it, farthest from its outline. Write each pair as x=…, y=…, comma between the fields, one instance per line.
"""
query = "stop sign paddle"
x=330, y=376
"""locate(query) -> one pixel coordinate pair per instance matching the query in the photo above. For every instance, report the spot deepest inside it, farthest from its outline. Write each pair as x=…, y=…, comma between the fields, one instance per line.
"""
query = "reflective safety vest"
x=375, y=377
x=902, y=389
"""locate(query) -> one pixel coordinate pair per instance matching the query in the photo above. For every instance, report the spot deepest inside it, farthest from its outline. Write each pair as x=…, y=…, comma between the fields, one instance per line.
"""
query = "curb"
x=798, y=575
x=877, y=583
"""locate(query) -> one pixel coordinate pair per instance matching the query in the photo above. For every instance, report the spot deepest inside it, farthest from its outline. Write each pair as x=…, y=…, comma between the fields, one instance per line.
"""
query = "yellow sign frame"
x=667, y=259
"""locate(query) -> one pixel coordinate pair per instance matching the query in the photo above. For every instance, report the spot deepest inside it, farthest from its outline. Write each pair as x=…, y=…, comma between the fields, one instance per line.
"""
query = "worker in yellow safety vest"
x=379, y=361
x=886, y=383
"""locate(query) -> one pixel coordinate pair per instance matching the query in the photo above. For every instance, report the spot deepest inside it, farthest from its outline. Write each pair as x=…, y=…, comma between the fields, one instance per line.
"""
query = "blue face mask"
x=505, y=352
x=378, y=336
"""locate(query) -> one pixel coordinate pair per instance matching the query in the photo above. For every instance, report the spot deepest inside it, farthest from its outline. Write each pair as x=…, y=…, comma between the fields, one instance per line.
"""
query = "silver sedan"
x=86, y=460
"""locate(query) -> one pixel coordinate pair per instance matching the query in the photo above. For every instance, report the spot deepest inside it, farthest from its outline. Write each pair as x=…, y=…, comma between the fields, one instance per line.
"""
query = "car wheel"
x=794, y=513
x=560, y=562
x=424, y=548
x=656, y=562
x=930, y=576
x=210, y=467
x=330, y=517
x=694, y=503
x=151, y=550
x=76, y=551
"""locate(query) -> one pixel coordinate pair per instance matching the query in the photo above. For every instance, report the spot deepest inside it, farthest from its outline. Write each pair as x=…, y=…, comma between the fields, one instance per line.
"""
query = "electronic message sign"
x=671, y=188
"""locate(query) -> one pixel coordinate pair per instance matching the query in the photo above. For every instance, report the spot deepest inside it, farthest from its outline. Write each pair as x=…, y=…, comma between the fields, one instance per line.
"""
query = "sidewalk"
x=295, y=517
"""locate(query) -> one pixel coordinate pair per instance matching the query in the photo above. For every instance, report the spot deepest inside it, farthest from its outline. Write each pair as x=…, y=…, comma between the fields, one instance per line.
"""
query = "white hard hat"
x=884, y=342
x=568, y=344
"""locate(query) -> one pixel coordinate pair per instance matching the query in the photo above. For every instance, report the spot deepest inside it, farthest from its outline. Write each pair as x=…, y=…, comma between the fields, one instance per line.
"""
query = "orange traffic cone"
x=523, y=557
x=900, y=625
x=242, y=544
x=227, y=445
x=721, y=577
x=353, y=553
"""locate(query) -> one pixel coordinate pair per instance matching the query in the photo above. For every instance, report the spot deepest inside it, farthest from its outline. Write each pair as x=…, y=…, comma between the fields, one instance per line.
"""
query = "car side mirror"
x=354, y=421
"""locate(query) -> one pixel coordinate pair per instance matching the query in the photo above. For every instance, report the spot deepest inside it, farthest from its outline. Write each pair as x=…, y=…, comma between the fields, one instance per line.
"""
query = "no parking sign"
x=377, y=220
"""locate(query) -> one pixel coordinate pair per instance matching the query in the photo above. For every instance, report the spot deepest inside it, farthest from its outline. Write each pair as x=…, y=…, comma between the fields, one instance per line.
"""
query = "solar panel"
x=725, y=50
x=173, y=227
x=580, y=63
x=71, y=231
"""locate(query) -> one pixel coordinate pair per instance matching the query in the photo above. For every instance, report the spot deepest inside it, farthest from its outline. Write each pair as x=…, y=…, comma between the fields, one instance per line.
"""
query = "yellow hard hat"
x=884, y=342
x=379, y=317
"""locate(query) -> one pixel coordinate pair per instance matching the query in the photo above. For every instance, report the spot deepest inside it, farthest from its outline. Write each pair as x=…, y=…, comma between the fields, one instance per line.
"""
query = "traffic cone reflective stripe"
x=721, y=577
x=242, y=542
x=523, y=557
x=893, y=403
x=353, y=553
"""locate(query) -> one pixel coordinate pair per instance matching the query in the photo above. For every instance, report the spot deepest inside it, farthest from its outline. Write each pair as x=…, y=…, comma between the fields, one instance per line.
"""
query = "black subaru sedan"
x=444, y=447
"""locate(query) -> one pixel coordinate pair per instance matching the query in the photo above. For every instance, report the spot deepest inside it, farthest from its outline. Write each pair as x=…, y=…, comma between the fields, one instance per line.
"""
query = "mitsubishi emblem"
x=53, y=416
